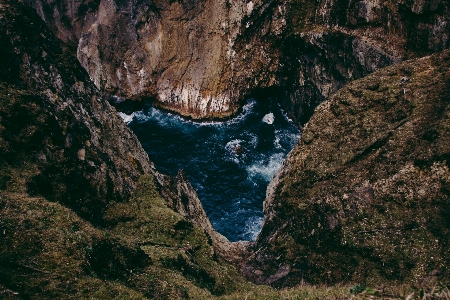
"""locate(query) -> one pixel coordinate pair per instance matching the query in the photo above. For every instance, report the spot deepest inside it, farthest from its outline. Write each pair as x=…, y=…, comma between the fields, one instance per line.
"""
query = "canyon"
x=362, y=198
x=201, y=58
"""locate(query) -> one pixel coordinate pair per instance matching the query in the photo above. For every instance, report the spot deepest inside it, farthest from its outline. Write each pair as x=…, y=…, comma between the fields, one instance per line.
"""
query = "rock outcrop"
x=200, y=58
x=179, y=51
x=311, y=49
x=364, y=196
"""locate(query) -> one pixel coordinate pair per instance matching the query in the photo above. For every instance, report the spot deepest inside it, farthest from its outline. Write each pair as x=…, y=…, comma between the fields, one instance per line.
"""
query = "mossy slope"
x=146, y=251
x=364, y=195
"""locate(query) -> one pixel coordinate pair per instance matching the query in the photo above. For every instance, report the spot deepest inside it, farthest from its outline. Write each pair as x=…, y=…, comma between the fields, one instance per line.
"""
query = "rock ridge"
x=394, y=125
x=324, y=45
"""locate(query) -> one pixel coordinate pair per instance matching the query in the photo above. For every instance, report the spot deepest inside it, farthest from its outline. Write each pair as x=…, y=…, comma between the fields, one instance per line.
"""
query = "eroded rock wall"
x=310, y=49
x=200, y=58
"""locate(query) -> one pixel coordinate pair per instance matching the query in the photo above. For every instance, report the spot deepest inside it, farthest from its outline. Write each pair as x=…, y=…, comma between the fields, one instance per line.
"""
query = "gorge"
x=229, y=163
x=363, y=198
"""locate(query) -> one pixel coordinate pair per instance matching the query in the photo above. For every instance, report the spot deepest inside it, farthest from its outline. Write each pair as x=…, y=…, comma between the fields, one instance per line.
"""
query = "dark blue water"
x=229, y=163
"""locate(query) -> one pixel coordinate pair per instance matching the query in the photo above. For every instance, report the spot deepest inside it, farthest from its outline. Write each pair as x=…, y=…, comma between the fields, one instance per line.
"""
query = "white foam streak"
x=285, y=115
x=252, y=228
x=266, y=169
x=276, y=143
x=168, y=119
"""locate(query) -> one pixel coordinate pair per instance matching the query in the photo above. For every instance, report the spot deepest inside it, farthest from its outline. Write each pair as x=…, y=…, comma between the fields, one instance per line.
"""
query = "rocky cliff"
x=364, y=196
x=52, y=115
x=179, y=51
x=200, y=58
x=311, y=49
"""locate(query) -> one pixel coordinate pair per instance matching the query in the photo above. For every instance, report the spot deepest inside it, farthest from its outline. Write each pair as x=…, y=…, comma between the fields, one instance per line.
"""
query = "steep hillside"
x=83, y=213
x=364, y=196
x=53, y=116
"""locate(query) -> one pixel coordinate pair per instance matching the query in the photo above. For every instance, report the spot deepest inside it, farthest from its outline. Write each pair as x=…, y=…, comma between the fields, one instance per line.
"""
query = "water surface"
x=229, y=163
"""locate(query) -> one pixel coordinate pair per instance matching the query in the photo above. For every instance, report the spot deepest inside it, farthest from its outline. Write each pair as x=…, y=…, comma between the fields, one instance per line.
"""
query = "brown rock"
x=200, y=58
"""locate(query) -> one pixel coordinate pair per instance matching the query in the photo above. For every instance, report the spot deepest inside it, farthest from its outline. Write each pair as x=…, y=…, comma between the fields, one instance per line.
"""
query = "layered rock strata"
x=364, y=195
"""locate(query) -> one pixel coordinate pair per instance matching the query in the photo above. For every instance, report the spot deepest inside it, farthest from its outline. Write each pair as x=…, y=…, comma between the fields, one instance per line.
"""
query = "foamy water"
x=229, y=163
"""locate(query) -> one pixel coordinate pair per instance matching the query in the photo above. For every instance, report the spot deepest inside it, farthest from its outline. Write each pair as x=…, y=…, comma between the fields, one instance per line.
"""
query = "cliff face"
x=179, y=51
x=85, y=156
x=310, y=49
x=200, y=58
x=364, y=196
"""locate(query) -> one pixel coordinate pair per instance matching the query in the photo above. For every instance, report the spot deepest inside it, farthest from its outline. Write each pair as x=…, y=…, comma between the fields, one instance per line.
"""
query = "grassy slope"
x=144, y=250
x=48, y=251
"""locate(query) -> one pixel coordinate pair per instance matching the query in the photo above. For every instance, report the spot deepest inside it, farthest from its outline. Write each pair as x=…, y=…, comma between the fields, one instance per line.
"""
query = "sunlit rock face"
x=181, y=52
x=200, y=58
